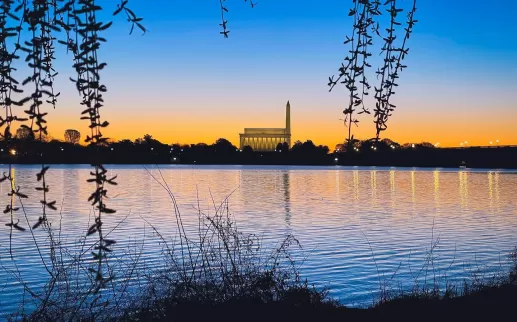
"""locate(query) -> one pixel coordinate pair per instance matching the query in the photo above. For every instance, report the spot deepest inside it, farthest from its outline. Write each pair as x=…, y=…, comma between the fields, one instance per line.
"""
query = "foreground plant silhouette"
x=213, y=264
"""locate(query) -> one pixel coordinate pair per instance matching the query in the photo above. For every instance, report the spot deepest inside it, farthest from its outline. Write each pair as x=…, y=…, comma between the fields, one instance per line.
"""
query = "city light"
x=412, y=145
x=13, y=152
x=491, y=142
x=336, y=159
x=174, y=159
x=437, y=144
x=393, y=147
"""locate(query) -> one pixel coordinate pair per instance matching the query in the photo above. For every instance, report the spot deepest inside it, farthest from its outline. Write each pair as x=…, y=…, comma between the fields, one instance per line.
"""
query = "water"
x=357, y=226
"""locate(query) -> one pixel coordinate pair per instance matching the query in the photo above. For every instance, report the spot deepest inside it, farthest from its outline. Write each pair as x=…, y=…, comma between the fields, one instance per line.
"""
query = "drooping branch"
x=41, y=22
x=224, y=11
x=353, y=72
x=389, y=72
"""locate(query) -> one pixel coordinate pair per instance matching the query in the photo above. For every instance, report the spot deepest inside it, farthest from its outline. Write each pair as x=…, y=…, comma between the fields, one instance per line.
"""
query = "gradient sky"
x=183, y=82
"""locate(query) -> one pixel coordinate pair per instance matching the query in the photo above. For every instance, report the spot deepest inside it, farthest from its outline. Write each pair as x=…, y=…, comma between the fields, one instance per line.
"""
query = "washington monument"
x=267, y=139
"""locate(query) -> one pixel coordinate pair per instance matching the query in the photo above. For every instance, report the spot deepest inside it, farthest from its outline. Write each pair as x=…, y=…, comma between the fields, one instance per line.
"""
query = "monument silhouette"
x=267, y=139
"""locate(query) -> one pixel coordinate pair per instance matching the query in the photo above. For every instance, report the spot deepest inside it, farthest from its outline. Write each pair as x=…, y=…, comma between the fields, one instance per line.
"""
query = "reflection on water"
x=392, y=180
x=373, y=188
x=329, y=210
x=356, y=185
x=491, y=188
x=285, y=180
x=413, y=186
x=464, y=188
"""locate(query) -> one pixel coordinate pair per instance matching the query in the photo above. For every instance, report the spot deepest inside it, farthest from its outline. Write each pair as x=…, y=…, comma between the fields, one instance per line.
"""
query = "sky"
x=182, y=82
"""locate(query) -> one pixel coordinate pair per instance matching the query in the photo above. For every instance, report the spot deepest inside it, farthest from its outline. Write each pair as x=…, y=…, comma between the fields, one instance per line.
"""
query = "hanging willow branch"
x=389, y=72
x=353, y=72
x=44, y=22
x=224, y=10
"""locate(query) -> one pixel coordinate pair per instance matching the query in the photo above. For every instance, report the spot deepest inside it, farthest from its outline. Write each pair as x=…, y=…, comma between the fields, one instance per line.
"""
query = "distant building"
x=264, y=139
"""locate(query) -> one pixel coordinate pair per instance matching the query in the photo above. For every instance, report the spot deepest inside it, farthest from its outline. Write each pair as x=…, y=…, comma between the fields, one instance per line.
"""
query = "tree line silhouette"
x=24, y=149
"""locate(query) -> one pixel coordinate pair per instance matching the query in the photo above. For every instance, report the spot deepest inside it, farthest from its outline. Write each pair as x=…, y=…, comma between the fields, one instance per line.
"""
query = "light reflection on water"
x=340, y=216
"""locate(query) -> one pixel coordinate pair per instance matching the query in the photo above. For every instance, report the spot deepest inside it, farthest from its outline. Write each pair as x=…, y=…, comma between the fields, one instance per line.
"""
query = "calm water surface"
x=355, y=224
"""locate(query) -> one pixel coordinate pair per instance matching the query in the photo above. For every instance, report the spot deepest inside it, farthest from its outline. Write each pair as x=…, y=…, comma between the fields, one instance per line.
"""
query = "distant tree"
x=125, y=142
x=72, y=136
x=24, y=133
x=282, y=147
x=340, y=147
x=426, y=145
x=297, y=145
x=323, y=149
x=390, y=142
x=148, y=139
x=247, y=149
x=224, y=146
x=308, y=145
x=201, y=148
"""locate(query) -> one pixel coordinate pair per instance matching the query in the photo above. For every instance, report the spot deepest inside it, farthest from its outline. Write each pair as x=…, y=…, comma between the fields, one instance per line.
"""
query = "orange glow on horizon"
x=193, y=124
x=324, y=133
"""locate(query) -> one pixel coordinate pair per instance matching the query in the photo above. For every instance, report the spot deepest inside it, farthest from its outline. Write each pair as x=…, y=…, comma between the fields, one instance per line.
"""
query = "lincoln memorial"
x=264, y=139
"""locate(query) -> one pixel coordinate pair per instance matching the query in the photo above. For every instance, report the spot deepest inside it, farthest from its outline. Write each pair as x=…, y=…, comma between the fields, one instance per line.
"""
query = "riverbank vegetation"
x=147, y=150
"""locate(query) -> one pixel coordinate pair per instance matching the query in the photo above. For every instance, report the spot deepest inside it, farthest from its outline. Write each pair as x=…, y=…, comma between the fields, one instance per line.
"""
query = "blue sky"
x=183, y=82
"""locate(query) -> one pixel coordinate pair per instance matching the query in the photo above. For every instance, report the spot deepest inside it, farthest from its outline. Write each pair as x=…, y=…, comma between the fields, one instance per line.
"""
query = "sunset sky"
x=184, y=83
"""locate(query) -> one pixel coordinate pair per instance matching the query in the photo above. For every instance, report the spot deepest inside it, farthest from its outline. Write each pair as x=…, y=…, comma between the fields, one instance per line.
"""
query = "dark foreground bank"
x=269, y=296
x=487, y=303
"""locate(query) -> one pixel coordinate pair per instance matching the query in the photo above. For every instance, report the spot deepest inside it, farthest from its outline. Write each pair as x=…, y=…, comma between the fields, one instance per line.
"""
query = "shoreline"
x=325, y=166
